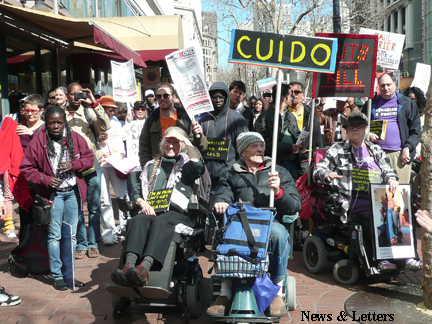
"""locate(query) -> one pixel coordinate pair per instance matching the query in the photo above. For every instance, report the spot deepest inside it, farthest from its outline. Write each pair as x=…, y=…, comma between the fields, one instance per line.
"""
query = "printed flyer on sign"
x=124, y=82
x=392, y=222
x=132, y=141
x=189, y=81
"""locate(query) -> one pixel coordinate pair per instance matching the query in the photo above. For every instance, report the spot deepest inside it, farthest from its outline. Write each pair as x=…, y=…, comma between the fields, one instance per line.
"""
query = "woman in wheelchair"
x=250, y=180
x=336, y=170
x=148, y=235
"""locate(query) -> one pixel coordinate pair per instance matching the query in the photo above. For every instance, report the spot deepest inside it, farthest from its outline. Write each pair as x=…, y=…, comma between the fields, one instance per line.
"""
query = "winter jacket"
x=339, y=158
x=241, y=185
x=408, y=120
x=227, y=124
x=247, y=114
x=36, y=165
x=151, y=135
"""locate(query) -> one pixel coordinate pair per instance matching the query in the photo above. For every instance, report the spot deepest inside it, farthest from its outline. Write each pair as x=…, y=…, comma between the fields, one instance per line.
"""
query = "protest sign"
x=422, y=76
x=355, y=68
x=159, y=200
x=390, y=46
x=379, y=127
x=317, y=54
x=132, y=141
x=151, y=77
x=124, y=82
x=217, y=149
x=361, y=178
x=189, y=81
x=266, y=84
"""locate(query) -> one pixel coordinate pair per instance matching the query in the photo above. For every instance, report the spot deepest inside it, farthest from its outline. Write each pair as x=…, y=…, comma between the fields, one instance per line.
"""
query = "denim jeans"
x=391, y=221
x=279, y=251
x=93, y=206
x=65, y=208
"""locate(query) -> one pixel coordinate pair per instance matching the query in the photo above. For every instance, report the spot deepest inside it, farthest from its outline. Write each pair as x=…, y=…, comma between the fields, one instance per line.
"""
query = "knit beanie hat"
x=246, y=138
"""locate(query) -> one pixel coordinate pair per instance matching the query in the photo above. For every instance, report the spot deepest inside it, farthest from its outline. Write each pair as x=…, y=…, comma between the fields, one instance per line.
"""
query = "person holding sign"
x=342, y=162
x=250, y=180
x=221, y=127
x=403, y=126
x=163, y=195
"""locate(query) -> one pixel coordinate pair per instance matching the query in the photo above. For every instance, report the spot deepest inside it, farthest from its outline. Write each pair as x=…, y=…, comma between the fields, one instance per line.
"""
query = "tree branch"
x=316, y=5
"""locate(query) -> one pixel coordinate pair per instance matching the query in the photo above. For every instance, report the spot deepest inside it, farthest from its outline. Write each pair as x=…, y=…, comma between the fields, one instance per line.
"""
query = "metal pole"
x=311, y=127
x=369, y=112
x=276, y=130
x=336, y=17
x=55, y=7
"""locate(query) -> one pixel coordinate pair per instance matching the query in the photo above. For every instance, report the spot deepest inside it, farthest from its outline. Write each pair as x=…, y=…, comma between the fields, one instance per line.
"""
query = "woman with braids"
x=148, y=235
x=54, y=161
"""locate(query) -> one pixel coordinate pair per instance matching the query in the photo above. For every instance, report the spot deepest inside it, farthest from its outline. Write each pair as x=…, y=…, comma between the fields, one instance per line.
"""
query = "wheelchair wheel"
x=194, y=296
x=346, y=272
x=120, y=306
x=291, y=293
x=314, y=254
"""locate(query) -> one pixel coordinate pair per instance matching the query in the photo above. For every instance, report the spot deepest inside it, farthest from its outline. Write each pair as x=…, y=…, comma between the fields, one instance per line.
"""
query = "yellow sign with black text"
x=361, y=178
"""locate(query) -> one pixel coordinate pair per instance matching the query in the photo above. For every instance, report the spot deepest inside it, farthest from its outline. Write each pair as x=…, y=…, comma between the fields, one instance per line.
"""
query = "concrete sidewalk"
x=41, y=303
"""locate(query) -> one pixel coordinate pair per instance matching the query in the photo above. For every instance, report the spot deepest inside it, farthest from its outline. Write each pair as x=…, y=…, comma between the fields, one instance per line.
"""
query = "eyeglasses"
x=165, y=96
x=218, y=98
x=297, y=92
x=53, y=97
x=140, y=109
x=32, y=111
x=357, y=126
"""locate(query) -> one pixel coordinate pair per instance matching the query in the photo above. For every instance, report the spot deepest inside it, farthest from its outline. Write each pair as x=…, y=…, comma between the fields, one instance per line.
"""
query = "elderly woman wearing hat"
x=336, y=169
x=250, y=180
x=111, y=143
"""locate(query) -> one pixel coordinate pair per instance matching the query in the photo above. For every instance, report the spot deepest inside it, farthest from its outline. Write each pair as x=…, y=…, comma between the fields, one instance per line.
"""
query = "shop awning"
x=72, y=30
x=161, y=36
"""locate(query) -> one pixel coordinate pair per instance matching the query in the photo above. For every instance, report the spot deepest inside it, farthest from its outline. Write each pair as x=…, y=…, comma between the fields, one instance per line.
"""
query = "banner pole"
x=276, y=129
x=311, y=127
x=369, y=112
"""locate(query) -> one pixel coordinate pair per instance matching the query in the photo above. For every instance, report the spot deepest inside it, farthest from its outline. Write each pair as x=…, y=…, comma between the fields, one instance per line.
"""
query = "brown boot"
x=277, y=307
x=219, y=306
x=119, y=275
x=138, y=276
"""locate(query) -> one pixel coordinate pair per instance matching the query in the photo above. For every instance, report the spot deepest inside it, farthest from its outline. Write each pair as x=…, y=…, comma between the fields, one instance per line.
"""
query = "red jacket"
x=36, y=165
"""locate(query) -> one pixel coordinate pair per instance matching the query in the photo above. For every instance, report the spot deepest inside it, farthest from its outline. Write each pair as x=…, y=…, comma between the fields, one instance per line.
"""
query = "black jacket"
x=247, y=114
x=228, y=123
x=240, y=185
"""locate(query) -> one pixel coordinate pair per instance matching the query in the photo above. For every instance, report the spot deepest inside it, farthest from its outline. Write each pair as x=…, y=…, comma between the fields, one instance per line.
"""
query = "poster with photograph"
x=392, y=222
x=124, y=82
x=189, y=81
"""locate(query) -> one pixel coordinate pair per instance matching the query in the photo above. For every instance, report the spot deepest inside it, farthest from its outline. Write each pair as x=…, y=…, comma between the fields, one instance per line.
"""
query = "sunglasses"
x=140, y=109
x=357, y=126
x=297, y=92
x=165, y=96
x=53, y=97
x=32, y=111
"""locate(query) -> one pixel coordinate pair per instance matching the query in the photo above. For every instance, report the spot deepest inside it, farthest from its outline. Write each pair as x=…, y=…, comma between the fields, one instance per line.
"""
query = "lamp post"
x=336, y=17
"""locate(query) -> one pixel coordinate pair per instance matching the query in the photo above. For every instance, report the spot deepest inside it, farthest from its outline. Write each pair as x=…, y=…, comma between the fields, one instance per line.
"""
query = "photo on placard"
x=392, y=222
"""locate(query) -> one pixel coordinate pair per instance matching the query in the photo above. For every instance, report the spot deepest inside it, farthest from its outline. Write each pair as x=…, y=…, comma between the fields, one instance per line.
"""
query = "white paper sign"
x=132, y=141
x=189, y=82
x=422, y=77
x=390, y=46
x=124, y=82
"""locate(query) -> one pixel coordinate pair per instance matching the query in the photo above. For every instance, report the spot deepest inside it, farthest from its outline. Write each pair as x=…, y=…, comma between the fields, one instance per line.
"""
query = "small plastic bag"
x=265, y=291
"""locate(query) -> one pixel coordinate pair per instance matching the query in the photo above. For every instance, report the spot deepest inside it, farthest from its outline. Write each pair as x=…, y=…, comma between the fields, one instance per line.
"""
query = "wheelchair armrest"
x=288, y=219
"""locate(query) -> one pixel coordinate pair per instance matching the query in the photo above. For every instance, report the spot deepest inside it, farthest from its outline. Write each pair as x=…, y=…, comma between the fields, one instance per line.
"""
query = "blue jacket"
x=408, y=120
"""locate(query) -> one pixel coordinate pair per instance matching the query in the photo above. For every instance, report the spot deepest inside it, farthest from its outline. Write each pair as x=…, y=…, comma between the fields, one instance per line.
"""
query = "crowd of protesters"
x=67, y=144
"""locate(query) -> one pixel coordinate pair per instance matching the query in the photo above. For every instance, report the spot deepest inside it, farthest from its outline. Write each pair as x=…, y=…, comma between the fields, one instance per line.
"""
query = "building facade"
x=210, y=46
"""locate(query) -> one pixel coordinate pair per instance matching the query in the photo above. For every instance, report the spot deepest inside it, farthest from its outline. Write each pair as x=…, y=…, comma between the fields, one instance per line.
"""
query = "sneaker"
x=386, y=266
x=60, y=284
x=10, y=234
x=8, y=300
x=93, y=252
x=218, y=307
x=79, y=254
x=413, y=265
x=277, y=307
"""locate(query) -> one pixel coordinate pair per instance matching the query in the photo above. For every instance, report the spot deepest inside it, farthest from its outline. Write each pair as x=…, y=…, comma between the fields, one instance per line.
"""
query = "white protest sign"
x=390, y=46
x=189, y=81
x=124, y=82
x=422, y=76
x=132, y=141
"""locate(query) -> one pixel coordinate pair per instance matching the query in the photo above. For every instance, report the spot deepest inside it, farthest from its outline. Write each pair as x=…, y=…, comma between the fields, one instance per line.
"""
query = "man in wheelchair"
x=250, y=180
x=336, y=170
x=149, y=234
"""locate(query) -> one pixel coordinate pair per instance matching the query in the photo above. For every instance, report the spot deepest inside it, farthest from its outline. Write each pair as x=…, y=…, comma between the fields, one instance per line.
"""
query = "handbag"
x=246, y=232
x=42, y=209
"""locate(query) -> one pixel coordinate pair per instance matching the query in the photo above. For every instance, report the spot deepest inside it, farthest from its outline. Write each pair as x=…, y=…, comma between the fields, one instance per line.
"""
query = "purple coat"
x=36, y=165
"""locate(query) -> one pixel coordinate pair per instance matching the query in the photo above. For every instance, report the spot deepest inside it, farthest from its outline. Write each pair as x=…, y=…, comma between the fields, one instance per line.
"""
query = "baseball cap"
x=139, y=104
x=100, y=93
x=356, y=118
x=149, y=93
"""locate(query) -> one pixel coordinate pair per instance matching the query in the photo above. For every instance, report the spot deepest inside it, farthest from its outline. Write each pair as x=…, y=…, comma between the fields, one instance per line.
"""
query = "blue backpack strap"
x=245, y=222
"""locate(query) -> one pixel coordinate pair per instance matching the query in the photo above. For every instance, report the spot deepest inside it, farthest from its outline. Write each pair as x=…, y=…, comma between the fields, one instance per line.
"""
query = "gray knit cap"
x=246, y=138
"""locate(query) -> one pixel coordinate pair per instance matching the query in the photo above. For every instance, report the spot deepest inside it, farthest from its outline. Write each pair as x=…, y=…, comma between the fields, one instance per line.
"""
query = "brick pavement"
x=41, y=303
